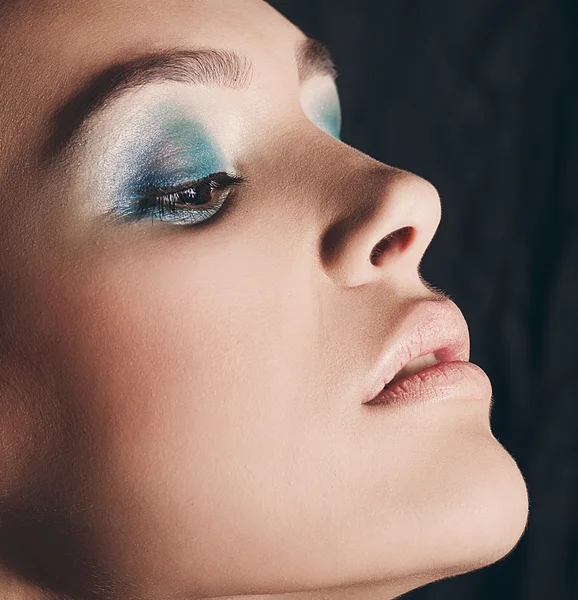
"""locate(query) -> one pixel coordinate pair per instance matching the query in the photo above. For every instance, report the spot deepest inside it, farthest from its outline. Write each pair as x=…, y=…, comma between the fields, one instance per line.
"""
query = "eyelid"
x=323, y=108
x=228, y=179
x=172, y=189
x=158, y=207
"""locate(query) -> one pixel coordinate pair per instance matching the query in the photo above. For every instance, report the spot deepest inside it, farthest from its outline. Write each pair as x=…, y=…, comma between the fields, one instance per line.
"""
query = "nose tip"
x=390, y=229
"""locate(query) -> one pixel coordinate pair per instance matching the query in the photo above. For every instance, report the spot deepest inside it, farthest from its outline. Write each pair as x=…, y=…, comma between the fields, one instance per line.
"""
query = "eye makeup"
x=175, y=150
x=168, y=162
x=185, y=151
x=325, y=111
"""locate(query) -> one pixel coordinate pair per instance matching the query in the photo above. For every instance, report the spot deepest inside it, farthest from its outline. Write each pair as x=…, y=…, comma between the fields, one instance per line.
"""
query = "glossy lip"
x=432, y=327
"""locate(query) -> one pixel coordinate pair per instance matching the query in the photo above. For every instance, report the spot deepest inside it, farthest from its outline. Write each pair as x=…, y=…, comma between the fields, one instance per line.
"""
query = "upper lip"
x=432, y=326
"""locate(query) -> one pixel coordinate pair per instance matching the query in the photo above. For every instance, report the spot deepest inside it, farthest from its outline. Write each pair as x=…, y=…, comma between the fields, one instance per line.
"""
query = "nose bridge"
x=375, y=218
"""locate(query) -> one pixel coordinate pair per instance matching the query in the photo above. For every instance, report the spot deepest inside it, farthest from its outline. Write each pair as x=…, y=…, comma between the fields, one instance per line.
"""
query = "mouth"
x=432, y=334
x=458, y=380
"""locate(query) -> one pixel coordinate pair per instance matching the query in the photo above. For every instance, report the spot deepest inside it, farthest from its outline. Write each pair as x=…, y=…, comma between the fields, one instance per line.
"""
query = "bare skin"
x=182, y=403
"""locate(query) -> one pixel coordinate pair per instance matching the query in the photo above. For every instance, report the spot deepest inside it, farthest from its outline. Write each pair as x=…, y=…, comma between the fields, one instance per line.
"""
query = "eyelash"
x=162, y=201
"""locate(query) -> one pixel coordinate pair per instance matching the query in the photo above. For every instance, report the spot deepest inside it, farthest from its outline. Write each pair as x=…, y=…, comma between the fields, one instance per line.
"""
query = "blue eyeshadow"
x=330, y=118
x=326, y=114
x=173, y=150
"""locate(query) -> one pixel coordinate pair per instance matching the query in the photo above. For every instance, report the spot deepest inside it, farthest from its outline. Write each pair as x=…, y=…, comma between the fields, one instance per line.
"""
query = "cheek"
x=207, y=428
x=197, y=414
x=172, y=363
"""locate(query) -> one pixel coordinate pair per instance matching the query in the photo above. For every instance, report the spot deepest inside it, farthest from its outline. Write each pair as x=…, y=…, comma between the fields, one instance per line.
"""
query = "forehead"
x=50, y=47
x=70, y=26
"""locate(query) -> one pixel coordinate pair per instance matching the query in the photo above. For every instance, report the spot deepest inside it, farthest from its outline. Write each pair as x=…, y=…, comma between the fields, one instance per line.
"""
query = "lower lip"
x=443, y=381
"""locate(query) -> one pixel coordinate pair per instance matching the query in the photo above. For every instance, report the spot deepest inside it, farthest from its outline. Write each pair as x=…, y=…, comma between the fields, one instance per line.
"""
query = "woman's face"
x=184, y=387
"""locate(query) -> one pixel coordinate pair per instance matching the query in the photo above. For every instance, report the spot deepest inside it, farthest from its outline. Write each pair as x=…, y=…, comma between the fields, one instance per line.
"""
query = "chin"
x=469, y=514
x=475, y=519
x=480, y=523
x=501, y=511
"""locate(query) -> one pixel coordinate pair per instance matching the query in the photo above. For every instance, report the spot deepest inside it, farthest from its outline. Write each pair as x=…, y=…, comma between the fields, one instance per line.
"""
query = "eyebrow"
x=204, y=67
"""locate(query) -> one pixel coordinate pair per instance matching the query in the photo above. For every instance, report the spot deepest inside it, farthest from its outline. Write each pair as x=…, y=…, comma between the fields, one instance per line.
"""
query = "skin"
x=181, y=407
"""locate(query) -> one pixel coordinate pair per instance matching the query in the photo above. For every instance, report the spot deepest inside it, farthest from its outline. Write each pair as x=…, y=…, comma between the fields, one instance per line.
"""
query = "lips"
x=433, y=332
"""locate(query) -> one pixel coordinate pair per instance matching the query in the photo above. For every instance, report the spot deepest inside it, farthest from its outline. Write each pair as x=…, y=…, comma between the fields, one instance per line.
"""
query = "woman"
x=204, y=293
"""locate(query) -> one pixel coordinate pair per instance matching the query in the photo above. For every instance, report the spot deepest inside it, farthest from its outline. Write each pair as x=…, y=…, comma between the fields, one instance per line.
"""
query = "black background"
x=481, y=98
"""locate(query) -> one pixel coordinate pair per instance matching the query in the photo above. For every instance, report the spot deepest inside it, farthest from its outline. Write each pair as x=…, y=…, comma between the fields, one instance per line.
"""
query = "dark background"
x=481, y=98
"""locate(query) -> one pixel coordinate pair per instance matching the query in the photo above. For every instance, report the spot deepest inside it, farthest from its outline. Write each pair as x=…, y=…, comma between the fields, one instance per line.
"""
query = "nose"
x=380, y=224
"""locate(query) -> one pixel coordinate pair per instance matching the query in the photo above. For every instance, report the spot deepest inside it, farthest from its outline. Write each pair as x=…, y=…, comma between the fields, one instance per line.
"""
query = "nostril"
x=397, y=241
